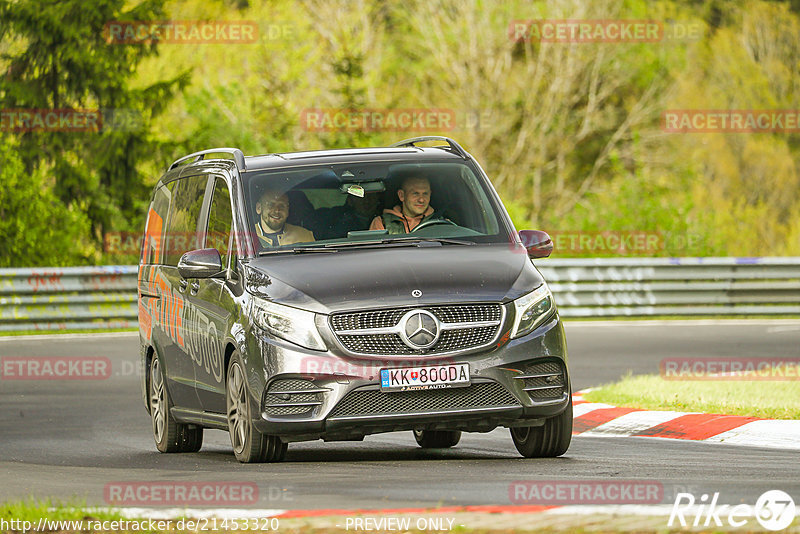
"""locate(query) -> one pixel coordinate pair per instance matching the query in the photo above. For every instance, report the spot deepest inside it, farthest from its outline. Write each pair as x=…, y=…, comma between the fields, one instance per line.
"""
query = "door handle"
x=195, y=287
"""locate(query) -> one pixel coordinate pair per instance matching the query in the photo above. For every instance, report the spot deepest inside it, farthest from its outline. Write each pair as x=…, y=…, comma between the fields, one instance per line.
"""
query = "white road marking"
x=611, y=509
x=777, y=434
x=583, y=409
x=632, y=423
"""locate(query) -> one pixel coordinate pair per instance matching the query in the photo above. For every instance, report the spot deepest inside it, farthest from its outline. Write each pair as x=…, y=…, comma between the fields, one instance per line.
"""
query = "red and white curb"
x=598, y=419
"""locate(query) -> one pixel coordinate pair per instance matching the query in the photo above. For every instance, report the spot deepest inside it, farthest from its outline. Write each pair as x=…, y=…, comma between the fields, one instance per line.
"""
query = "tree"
x=35, y=228
x=59, y=58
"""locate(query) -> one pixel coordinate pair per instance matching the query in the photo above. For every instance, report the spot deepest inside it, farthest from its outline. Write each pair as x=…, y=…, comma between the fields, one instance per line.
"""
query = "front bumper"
x=307, y=395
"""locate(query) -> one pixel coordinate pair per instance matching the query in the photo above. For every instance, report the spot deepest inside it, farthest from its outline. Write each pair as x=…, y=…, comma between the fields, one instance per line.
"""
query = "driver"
x=414, y=208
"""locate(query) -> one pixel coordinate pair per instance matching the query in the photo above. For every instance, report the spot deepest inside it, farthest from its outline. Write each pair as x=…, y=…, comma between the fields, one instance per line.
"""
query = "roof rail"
x=235, y=154
x=455, y=147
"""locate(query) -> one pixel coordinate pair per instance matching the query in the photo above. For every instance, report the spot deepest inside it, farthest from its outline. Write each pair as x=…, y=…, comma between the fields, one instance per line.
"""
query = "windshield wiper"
x=381, y=243
x=409, y=241
x=296, y=250
x=443, y=240
x=400, y=242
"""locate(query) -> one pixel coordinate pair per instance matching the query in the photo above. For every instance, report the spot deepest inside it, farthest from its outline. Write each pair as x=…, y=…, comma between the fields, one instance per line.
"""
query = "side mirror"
x=201, y=263
x=537, y=243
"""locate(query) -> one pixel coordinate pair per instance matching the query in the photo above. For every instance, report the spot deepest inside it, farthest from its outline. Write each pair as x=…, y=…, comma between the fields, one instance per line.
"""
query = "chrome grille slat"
x=292, y=383
x=542, y=375
x=289, y=404
x=296, y=391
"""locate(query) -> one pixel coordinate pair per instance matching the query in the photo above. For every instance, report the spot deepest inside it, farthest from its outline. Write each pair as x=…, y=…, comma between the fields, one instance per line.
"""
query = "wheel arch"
x=147, y=361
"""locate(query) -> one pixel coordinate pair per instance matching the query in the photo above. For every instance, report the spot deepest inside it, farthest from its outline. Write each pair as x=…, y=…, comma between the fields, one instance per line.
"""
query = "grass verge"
x=767, y=399
x=33, y=509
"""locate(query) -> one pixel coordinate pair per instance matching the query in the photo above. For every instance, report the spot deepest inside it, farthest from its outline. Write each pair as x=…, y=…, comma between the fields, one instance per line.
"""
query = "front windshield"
x=345, y=205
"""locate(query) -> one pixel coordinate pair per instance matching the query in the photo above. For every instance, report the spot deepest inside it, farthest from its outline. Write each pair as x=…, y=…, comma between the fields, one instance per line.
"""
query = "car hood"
x=357, y=279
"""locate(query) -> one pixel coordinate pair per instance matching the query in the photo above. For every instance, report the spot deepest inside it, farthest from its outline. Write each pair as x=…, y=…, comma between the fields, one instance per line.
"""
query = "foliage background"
x=570, y=134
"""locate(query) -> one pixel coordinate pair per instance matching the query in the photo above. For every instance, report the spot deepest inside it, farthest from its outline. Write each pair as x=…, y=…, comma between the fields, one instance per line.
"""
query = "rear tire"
x=169, y=435
x=437, y=439
x=249, y=445
x=547, y=441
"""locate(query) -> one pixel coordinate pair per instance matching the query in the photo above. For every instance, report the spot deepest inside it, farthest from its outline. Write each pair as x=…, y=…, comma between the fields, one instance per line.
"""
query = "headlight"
x=531, y=310
x=288, y=323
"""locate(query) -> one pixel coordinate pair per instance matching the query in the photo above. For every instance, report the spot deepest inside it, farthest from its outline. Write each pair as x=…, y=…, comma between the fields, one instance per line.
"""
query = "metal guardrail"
x=674, y=286
x=68, y=298
x=105, y=297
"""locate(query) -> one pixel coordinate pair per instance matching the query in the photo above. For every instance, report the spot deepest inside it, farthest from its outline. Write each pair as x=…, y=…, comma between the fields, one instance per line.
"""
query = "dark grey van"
x=339, y=293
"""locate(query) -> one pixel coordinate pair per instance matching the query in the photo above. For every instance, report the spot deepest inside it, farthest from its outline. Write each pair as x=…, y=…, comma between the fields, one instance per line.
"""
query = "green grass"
x=767, y=399
x=32, y=510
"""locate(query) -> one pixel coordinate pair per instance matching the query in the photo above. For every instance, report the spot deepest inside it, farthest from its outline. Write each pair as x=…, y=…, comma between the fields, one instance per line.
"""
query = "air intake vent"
x=543, y=380
x=292, y=397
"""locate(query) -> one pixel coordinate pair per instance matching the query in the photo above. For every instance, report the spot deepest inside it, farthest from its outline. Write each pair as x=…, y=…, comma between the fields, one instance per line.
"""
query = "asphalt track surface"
x=68, y=439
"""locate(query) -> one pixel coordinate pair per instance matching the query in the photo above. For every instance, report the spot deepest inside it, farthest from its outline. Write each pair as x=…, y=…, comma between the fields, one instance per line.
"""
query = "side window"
x=220, y=219
x=182, y=235
x=152, y=244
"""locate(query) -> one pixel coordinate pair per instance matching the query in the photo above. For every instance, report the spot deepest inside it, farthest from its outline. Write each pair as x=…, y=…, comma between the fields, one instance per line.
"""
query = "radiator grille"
x=471, y=335
x=373, y=402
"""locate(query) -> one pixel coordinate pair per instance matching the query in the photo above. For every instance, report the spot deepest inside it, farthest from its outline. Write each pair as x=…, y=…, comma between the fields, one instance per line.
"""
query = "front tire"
x=169, y=435
x=547, y=441
x=249, y=445
x=437, y=439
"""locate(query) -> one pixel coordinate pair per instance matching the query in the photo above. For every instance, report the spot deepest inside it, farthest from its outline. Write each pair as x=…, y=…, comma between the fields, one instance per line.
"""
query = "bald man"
x=414, y=207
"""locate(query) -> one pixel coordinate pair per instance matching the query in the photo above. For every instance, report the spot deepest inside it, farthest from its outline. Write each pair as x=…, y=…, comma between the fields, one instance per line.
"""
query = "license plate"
x=452, y=375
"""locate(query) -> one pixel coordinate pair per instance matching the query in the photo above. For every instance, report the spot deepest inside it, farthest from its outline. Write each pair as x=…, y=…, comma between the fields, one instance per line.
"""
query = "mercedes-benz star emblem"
x=420, y=329
x=416, y=293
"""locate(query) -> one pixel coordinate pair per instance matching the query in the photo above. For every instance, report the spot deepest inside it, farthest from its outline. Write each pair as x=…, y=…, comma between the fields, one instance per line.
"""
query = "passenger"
x=272, y=229
x=414, y=208
x=355, y=214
